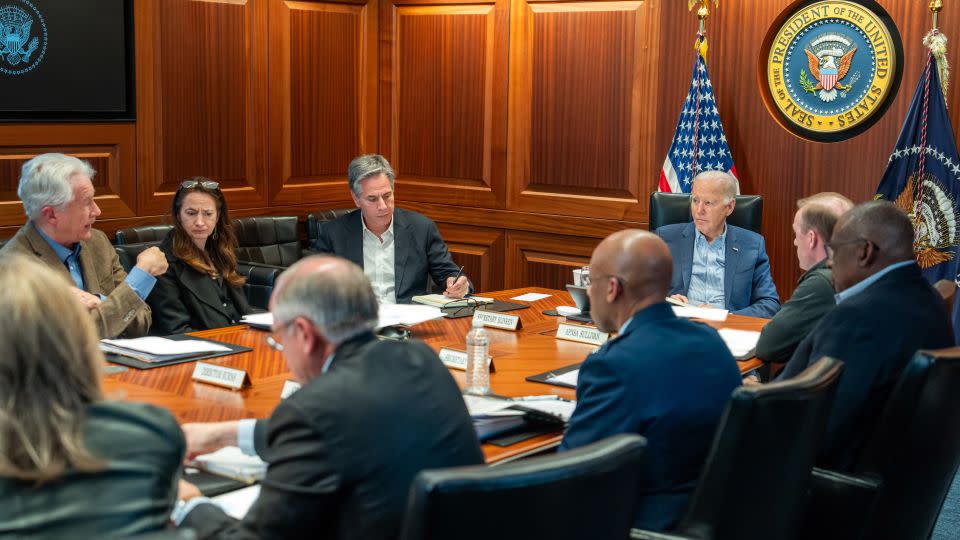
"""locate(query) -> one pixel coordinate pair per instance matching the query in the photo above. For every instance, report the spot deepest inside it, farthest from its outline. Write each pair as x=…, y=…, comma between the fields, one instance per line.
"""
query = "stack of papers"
x=406, y=314
x=742, y=343
x=707, y=314
x=158, y=349
x=237, y=503
x=229, y=461
x=559, y=408
x=263, y=321
x=441, y=301
x=492, y=416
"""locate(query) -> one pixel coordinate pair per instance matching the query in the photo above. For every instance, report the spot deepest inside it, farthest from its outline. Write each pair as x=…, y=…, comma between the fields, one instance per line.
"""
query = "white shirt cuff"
x=245, y=430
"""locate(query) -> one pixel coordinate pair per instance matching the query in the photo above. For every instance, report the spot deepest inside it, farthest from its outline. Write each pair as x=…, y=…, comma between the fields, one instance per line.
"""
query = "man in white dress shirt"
x=397, y=249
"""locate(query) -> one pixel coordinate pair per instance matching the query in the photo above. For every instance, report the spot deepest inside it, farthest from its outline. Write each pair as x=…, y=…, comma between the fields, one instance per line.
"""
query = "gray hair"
x=365, y=166
x=731, y=187
x=46, y=180
x=340, y=302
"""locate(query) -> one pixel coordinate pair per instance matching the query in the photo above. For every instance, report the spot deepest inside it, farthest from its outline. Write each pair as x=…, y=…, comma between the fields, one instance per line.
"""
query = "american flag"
x=698, y=142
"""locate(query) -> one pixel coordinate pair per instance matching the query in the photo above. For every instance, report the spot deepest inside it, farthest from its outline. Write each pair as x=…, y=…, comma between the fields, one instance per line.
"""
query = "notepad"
x=707, y=314
x=157, y=349
x=406, y=314
x=231, y=462
x=441, y=301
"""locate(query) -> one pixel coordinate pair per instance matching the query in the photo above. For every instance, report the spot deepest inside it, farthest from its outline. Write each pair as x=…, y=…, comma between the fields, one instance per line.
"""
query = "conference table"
x=530, y=350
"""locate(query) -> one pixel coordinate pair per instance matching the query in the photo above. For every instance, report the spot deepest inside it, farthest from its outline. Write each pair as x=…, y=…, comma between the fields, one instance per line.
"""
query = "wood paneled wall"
x=527, y=129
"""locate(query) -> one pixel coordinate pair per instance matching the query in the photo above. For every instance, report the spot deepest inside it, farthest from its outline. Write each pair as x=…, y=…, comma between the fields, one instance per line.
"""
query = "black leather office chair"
x=668, y=208
x=903, y=473
x=585, y=493
x=268, y=240
x=316, y=220
x=128, y=252
x=145, y=233
x=754, y=483
x=261, y=279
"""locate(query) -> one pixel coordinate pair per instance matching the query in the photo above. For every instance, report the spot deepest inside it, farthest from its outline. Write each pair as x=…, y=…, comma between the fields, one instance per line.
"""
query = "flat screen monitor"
x=66, y=60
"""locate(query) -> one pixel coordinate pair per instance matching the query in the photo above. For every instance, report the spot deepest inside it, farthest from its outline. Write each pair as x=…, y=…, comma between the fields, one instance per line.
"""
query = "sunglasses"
x=190, y=184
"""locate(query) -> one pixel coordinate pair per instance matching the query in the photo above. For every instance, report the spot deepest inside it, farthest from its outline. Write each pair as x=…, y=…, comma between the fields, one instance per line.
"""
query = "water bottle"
x=478, y=370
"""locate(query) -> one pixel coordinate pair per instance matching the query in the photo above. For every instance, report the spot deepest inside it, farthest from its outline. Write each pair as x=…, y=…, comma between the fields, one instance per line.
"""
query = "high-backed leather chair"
x=754, y=483
x=585, y=493
x=128, y=252
x=668, y=208
x=144, y=233
x=900, y=478
x=261, y=279
x=316, y=220
x=268, y=240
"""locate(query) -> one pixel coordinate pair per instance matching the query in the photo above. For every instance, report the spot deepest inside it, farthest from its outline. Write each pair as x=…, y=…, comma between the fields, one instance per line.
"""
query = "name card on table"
x=221, y=376
x=289, y=387
x=498, y=320
x=457, y=359
x=582, y=334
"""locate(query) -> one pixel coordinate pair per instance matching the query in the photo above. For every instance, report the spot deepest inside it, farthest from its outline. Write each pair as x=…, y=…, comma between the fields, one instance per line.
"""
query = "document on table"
x=742, y=343
x=237, y=503
x=258, y=320
x=531, y=297
x=569, y=377
x=560, y=408
x=406, y=314
x=707, y=314
x=231, y=462
x=163, y=347
x=489, y=406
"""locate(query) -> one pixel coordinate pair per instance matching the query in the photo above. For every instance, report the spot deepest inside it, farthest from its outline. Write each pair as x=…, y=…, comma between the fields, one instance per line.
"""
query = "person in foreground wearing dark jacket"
x=886, y=311
x=343, y=450
x=201, y=288
x=662, y=377
x=813, y=224
x=72, y=464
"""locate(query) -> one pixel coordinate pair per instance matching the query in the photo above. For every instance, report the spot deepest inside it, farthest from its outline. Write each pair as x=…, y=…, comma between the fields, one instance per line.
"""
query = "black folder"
x=136, y=363
x=542, y=377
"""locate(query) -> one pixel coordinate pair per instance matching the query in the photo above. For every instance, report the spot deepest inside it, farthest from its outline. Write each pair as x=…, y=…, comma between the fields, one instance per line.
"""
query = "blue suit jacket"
x=747, y=285
x=667, y=379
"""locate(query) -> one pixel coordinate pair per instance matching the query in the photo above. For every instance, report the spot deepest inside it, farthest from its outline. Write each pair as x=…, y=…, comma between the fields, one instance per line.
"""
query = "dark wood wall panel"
x=443, y=102
x=108, y=147
x=480, y=250
x=581, y=86
x=323, y=103
x=203, y=66
x=545, y=260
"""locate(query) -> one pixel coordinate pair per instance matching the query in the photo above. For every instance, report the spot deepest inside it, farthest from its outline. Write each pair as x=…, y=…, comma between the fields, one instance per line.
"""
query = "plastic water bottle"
x=478, y=370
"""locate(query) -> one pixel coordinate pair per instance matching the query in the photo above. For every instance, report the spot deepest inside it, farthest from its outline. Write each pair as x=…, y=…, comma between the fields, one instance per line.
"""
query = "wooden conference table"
x=530, y=350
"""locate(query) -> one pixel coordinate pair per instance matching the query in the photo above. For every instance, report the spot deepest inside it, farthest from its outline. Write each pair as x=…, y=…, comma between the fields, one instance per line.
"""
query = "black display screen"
x=66, y=59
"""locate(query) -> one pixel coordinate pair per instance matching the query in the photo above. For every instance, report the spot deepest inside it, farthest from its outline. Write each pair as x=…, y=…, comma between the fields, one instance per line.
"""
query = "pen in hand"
x=459, y=273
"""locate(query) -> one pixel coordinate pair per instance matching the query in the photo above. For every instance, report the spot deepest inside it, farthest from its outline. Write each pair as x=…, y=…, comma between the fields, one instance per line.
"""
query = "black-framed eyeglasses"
x=272, y=341
x=831, y=247
x=206, y=184
x=454, y=312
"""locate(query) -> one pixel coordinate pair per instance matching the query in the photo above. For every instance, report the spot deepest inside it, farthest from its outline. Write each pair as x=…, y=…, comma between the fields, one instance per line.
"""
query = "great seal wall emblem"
x=23, y=37
x=832, y=68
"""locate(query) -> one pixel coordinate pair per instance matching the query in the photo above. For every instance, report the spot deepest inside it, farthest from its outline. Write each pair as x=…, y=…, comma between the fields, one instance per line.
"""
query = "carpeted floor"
x=948, y=525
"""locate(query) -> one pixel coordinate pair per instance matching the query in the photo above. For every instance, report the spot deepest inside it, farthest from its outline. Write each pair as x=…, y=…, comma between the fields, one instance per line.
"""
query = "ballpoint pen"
x=550, y=397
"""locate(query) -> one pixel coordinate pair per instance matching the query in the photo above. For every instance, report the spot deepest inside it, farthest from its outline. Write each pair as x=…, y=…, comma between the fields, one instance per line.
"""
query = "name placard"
x=289, y=387
x=457, y=359
x=497, y=320
x=581, y=334
x=221, y=376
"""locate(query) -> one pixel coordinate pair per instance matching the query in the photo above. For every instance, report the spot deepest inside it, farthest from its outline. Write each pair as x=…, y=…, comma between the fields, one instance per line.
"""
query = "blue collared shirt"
x=141, y=282
x=706, y=276
x=862, y=286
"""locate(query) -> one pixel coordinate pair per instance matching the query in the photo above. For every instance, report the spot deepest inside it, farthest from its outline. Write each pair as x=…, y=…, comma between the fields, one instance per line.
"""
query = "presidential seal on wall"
x=832, y=67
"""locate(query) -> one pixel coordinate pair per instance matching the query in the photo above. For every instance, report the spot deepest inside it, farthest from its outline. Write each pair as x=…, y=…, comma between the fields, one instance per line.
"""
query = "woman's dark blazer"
x=184, y=299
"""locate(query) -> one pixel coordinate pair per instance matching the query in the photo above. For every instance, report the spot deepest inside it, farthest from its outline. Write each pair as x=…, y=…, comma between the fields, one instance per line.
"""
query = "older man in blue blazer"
x=716, y=264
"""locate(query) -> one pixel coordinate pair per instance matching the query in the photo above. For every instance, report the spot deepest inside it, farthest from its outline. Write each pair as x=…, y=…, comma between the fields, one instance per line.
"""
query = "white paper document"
x=258, y=319
x=742, y=343
x=406, y=314
x=707, y=314
x=237, y=503
x=569, y=377
x=554, y=407
x=164, y=346
x=489, y=406
x=531, y=297
x=231, y=462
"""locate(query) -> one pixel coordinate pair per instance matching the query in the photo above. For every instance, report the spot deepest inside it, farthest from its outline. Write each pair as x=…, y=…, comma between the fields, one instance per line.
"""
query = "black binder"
x=542, y=377
x=136, y=363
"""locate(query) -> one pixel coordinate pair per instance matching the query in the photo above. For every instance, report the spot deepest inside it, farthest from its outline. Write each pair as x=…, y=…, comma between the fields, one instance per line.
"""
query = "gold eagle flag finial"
x=701, y=44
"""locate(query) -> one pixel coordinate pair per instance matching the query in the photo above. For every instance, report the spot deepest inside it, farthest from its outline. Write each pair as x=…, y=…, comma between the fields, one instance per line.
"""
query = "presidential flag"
x=698, y=142
x=923, y=178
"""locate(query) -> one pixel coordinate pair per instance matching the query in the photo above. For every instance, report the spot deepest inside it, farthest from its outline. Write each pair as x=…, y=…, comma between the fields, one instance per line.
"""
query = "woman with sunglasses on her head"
x=201, y=288
x=72, y=463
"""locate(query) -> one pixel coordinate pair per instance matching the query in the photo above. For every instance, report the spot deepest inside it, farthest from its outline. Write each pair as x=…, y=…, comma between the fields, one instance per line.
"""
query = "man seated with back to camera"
x=886, y=311
x=663, y=377
x=342, y=451
x=398, y=249
x=716, y=264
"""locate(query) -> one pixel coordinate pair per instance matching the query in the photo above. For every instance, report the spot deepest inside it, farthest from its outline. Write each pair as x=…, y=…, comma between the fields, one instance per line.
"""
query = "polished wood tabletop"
x=516, y=355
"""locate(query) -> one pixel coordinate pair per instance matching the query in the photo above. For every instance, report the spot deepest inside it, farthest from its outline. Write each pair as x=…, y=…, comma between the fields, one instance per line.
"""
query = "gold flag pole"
x=935, y=7
x=702, y=13
x=937, y=43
